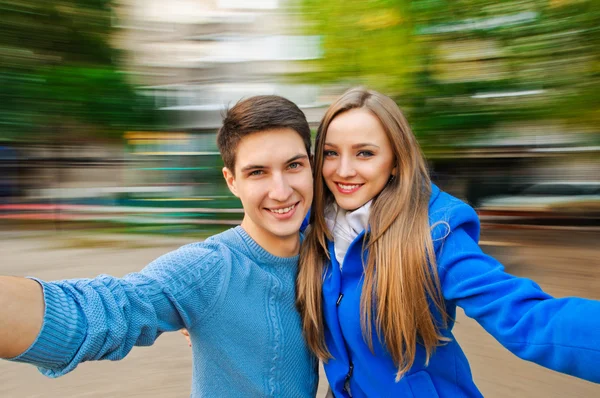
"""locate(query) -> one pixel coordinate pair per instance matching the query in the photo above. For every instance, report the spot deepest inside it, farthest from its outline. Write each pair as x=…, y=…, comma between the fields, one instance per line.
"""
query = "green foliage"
x=367, y=43
x=58, y=72
x=463, y=69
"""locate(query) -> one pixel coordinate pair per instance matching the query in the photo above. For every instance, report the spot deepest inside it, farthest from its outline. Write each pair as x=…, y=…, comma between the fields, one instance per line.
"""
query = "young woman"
x=388, y=257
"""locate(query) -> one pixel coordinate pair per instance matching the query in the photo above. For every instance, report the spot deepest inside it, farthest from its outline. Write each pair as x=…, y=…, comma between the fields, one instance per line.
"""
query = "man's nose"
x=281, y=189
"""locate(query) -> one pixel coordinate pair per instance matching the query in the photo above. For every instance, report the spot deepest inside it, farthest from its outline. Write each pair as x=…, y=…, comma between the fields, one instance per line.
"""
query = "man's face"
x=273, y=179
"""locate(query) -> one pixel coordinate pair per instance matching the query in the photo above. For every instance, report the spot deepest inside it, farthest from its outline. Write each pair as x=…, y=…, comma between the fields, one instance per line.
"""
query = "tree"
x=59, y=72
x=368, y=43
x=466, y=69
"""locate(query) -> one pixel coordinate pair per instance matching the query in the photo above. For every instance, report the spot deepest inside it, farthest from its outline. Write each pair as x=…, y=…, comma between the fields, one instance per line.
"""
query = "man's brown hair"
x=255, y=114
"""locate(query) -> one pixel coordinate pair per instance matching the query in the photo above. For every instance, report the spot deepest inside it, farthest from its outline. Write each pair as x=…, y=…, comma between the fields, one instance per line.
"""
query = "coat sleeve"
x=562, y=334
x=104, y=317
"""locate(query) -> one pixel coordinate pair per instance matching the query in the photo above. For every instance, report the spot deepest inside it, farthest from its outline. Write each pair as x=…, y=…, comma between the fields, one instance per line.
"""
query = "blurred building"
x=196, y=58
x=501, y=94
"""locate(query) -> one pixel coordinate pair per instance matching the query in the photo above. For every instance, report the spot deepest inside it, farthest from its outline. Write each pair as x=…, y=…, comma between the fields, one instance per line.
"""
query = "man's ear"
x=230, y=180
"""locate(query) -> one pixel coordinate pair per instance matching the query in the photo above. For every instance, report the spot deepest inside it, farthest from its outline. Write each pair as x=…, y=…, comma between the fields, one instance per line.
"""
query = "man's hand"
x=21, y=314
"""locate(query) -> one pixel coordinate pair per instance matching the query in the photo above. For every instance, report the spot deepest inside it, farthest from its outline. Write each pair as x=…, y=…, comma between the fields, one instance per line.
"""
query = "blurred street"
x=563, y=262
x=109, y=111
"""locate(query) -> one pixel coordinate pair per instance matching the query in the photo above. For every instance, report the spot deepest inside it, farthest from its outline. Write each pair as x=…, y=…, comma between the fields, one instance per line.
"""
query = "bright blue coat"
x=561, y=334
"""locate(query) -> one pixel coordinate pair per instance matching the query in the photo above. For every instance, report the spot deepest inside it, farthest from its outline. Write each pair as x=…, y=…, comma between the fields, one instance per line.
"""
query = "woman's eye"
x=365, y=154
x=329, y=153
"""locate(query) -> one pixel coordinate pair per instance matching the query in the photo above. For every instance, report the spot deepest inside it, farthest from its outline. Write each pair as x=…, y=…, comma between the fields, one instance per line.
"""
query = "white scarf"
x=345, y=226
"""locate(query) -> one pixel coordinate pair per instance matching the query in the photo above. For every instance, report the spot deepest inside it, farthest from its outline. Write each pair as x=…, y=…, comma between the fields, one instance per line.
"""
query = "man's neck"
x=276, y=245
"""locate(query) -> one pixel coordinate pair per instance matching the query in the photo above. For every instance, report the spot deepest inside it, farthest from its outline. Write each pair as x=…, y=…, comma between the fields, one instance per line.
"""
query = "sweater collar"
x=261, y=255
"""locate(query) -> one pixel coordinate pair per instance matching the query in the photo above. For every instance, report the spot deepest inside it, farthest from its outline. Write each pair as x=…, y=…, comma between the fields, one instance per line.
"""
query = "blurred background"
x=109, y=111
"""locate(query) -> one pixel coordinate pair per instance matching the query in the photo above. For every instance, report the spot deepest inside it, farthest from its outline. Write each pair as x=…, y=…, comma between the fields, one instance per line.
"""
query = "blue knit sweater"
x=235, y=298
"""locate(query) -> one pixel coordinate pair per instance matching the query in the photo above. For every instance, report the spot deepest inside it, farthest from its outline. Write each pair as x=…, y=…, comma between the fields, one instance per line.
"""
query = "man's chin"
x=291, y=228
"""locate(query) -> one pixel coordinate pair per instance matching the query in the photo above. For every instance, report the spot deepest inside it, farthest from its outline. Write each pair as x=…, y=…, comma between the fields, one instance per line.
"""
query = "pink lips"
x=287, y=215
x=355, y=187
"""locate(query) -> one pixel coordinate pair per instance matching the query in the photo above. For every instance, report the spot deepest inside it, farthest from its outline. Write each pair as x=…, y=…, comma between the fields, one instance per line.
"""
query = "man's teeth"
x=348, y=187
x=284, y=210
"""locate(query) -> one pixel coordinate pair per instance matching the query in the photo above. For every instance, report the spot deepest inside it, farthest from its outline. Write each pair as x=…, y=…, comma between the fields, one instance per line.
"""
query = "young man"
x=234, y=292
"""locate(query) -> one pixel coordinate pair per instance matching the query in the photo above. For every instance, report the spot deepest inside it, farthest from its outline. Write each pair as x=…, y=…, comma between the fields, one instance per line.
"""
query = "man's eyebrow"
x=253, y=167
x=259, y=166
x=297, y=157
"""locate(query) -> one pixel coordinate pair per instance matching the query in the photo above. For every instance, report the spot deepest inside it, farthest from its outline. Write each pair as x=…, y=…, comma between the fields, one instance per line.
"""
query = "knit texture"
x=235, y=298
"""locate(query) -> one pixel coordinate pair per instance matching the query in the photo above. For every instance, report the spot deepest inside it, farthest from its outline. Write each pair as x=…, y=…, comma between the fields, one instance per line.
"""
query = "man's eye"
x=256, y=173
x=294, y=165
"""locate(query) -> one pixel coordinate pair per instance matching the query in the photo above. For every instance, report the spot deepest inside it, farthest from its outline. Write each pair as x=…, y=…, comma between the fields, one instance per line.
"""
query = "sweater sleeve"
x=104, y=317
x=560, y=334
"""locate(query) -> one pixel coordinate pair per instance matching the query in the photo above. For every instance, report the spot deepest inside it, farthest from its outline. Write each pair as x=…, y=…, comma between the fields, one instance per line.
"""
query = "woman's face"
x=358, y=158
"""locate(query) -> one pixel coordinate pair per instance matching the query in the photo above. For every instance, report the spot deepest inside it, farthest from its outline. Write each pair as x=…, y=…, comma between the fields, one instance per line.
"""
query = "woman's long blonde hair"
x=400, y=278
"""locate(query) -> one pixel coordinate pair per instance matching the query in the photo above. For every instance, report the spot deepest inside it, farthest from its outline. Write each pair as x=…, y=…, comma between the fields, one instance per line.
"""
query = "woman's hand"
x=186, y=334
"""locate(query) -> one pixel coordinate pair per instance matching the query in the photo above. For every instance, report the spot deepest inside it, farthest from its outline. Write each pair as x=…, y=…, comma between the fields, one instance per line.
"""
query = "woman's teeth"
x=348, y=187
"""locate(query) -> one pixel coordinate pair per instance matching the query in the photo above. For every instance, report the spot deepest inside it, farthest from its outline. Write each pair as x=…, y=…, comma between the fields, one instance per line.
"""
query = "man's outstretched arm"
x=57, y=325
x=21, y=314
